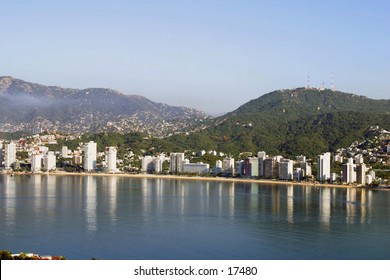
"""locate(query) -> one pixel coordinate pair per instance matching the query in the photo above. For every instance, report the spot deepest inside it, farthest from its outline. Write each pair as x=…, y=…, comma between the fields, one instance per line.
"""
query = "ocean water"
x=114, y=218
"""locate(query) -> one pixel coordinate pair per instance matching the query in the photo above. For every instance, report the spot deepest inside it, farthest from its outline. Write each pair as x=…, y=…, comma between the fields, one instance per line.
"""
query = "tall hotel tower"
x=176, y=164
x=111, y=159
x=9, y=155
x=323, y=165
x=90, y=156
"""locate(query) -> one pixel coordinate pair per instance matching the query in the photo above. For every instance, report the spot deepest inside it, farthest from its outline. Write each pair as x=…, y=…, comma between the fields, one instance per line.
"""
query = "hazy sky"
x=210, y=55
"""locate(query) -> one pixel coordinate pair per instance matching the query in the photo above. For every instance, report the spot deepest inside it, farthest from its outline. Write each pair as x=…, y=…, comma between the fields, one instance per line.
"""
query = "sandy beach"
x=197, y=178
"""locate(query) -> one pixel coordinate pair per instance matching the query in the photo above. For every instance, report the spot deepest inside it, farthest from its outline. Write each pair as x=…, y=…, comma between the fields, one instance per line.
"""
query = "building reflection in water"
x=325, y=206
x=9, y=204
x=37, y=189
x=290, y=204
x=231, y=189
x=275, y=197
x=51, y=191
x=308, y=195
x=351, y=206
x=254, y=199
x=366, y=204
x=90, y=202
x=109, y=191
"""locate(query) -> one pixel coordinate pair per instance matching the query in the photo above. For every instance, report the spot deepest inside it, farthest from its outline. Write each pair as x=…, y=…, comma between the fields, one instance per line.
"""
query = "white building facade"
x=349, y=174
x=286, y=169
x=197, y=168
x=9, y=155
x=176, y=162
x=111, y=159
x=36, y=162
x=323, y=167
x=49, y=161
x=90, y=149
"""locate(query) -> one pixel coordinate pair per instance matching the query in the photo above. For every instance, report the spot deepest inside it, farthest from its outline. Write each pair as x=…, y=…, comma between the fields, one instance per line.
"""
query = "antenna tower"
x=308, y=81
x=332, y=83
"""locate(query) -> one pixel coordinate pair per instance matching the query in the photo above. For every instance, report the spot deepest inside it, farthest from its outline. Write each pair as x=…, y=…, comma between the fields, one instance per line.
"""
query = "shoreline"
x=194, y=178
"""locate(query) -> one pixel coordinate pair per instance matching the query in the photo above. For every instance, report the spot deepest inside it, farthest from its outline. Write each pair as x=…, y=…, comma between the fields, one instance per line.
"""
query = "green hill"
x=292, y=122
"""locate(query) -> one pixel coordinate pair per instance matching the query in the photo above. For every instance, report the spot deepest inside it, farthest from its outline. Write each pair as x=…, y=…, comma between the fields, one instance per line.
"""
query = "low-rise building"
x=197, y=168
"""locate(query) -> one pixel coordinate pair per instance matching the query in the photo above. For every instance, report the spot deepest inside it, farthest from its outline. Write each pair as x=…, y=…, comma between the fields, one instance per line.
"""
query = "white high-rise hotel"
x=111, y=159
x=90, y=156
x=176, y=164
x=9, y=155
x=323, y=165
x=49, y=161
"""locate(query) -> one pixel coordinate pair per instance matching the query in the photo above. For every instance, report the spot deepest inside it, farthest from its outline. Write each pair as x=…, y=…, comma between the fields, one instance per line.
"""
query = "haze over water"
x=109, y=217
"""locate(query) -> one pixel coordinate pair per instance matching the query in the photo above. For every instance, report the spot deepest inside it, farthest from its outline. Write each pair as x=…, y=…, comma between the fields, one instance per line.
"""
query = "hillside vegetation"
x=293, y=122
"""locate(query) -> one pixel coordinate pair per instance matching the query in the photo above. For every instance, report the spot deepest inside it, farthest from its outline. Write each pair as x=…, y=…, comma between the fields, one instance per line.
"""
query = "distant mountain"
x=25, y=105
x=293, y=122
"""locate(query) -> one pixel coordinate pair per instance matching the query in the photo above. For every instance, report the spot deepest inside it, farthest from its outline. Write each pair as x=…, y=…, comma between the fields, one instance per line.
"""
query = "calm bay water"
x=84, y=217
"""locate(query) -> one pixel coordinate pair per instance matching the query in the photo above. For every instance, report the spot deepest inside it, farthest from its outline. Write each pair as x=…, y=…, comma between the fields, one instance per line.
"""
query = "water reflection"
x=90, y=203
x=114, y=202
x=98, y=198
x=109, y=194
x=290, y=203
x=325, y=207
x=8, y=191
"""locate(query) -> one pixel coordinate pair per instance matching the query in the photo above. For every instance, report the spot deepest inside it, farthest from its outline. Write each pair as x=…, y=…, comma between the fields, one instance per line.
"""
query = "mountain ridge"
x=90, y=110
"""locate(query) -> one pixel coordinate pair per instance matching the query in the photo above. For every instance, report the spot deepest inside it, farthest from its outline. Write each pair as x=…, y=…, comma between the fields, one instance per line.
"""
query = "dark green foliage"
x=5, y=255
x=206, y=158
x=294, y=122
x=22, y=155
x=13, y=135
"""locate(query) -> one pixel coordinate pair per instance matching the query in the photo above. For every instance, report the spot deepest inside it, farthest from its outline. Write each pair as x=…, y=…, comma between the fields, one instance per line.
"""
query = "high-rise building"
x=270, y=167
x=111, y=159
x=286, y=169
x=228, y=166
x=9, y=155
x=49, y=161
x=218, y=167
x=36, y=162
x=158, y=164
x=361, y=174
x=147, y=164
x=240, y=168
x=348, y=169
x=90, y=156
x=261, y=156
x=298, y=174
x=176, y=162
x=323, y=167
x=251, y=167
x=306, y=168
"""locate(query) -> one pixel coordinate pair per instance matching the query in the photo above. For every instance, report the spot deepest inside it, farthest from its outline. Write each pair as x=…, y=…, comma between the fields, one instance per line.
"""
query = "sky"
x=206, y=54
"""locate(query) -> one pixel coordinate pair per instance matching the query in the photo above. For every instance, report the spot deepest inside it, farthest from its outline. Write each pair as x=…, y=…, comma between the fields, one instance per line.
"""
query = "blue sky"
x=210, y=55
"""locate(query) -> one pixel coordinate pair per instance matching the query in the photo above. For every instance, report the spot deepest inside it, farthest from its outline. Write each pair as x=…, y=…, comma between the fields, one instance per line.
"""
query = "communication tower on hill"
x=332, y=83
x=308, y=81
